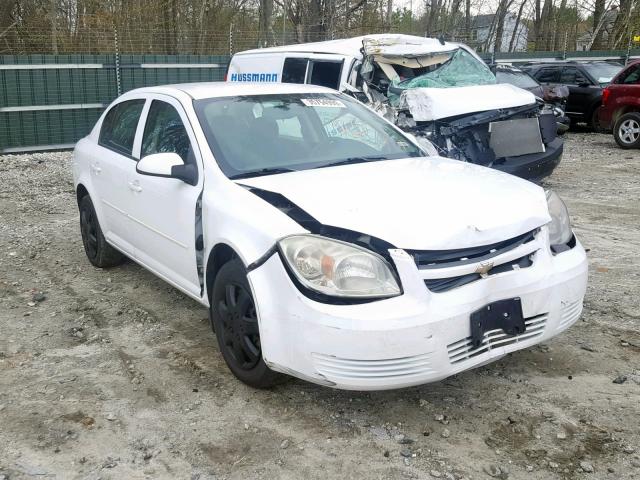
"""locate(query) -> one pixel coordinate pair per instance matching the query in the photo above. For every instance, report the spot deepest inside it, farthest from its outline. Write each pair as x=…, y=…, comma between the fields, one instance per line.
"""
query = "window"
x=572, y=76
x=165, y=132
x=548, y=75
x=119, y=126
x=294, y=70
x=326, y=74
x=515, y=77
x=602, y=72
x=631, y=76
x=252, y=135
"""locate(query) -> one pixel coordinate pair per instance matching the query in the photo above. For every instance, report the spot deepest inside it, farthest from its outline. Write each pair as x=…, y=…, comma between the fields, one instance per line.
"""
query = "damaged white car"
x=325, y=244
x=435, y=90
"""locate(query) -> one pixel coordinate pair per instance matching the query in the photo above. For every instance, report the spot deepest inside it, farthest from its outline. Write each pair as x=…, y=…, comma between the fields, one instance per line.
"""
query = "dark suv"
x=585, y=81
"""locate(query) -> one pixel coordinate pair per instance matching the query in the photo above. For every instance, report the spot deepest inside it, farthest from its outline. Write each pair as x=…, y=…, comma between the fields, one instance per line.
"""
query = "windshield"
x=266, y=134
x=603, y=73
x=514, y=77
x=461, y=70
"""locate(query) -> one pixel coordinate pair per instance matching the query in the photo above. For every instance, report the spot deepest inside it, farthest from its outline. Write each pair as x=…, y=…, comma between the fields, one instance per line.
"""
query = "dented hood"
x=429, y=104
x=416, y=203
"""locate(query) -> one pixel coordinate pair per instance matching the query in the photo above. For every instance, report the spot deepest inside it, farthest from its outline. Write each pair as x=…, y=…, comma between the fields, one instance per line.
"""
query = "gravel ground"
x=113, y=374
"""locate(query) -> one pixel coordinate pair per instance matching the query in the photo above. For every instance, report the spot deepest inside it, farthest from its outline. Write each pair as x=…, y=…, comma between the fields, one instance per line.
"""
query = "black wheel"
x=627, y=130
x=98, y=251
x=234, y=319
x=594, y=122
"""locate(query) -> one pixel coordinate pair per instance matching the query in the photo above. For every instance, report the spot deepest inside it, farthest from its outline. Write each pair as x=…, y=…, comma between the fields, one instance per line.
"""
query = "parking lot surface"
x=114, y=374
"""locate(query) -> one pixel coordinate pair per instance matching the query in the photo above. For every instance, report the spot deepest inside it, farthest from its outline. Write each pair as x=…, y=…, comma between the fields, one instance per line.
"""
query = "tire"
x=594, y=121
x=626, y=130
x=99, y=252
x=235, y=322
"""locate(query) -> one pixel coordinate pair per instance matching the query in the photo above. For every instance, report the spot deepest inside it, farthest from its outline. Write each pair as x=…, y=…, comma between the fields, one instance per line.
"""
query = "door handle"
x=95, y=168
x=135, y=186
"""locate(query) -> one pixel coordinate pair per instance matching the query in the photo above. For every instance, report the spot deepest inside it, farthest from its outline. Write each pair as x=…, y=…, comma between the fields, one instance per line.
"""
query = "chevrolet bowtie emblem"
x=484, y=267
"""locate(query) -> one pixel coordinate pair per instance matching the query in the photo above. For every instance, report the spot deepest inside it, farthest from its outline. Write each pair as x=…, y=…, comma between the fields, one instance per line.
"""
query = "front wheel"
x=234, y=319
x=626, y=130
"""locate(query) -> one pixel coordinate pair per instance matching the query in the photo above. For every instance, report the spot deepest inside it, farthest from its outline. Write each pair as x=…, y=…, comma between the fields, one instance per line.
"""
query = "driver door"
x=580, y=90
x=164, y=210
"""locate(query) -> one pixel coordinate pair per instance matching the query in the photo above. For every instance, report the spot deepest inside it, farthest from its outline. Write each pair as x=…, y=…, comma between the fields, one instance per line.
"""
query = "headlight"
x=560, y=227
x=338, y=269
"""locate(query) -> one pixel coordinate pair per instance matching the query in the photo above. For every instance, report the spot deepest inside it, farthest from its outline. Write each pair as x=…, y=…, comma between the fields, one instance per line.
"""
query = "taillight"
x=605, y=95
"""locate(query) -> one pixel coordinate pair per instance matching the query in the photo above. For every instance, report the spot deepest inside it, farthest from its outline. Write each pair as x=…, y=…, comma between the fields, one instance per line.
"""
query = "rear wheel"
x=99, y=252
x=627, y=130
x=234, y=319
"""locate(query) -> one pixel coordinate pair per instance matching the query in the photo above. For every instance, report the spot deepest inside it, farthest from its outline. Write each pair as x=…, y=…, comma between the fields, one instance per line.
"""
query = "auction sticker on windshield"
x=322, y=102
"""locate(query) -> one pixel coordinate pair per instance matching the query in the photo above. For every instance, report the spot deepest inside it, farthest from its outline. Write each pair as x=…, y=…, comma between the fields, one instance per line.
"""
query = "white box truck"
x=433, y=89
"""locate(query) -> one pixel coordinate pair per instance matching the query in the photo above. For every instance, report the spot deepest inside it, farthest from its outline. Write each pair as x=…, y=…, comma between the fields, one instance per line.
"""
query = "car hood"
x=429, y=104
x=415, y=203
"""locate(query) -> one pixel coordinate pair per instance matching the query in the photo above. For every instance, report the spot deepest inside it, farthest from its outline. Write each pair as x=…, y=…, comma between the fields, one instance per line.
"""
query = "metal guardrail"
x=515, y=58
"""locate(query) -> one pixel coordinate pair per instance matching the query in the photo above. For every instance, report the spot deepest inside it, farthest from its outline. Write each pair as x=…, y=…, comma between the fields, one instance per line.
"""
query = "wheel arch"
x=220, y=254
x=623, y=110
x=81, y=192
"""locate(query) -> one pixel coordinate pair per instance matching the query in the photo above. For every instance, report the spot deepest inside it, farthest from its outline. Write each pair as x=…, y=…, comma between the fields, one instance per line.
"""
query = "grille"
x=448, y=258
x=463, y=350
x=442, y=259
x=570, y=313
x=331, y=366
x=438, y=285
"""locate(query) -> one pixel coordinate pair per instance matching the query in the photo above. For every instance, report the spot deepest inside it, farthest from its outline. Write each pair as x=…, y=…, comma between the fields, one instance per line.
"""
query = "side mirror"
x=167, y=165
x=584, y=84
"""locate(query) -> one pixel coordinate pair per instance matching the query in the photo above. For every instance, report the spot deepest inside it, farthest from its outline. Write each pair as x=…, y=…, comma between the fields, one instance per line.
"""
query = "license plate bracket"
x=505, y=315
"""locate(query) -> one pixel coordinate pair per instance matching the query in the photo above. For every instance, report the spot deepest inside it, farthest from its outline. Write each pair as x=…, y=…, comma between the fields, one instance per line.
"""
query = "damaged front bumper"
x=421, y=336
x=534, y=166
x=469, y=138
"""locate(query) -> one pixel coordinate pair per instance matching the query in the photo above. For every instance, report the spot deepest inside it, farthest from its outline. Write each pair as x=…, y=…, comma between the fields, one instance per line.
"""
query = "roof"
x=480, y=21
x=349, y=46
x=198, y=91
x=556, y=63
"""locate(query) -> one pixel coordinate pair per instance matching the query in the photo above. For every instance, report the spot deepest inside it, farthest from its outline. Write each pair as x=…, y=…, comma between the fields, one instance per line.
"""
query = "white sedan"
x=324, y=242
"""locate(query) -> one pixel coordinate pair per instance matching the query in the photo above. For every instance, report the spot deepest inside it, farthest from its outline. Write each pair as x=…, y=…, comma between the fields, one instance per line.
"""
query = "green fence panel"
x=51, y=101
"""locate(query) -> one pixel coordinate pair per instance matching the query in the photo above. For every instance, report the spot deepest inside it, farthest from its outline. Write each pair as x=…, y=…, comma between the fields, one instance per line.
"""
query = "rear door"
x=258, y=67
x=164, y=211
x=324, y=70
x=628, y=85
x=112, y=164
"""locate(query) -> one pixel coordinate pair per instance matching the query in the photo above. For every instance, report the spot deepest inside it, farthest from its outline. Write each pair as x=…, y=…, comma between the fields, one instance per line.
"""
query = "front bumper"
x=418, y=337
x=534, y=166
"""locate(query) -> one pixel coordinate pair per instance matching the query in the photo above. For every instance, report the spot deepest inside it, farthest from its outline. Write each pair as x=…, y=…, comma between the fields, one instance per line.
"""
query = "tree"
x=265, y=28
